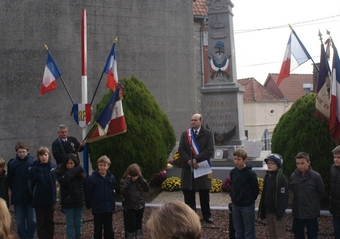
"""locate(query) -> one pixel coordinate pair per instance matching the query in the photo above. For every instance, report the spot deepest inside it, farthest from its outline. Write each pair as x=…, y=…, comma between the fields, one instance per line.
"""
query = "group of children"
x=34, y=193
x=307, y=188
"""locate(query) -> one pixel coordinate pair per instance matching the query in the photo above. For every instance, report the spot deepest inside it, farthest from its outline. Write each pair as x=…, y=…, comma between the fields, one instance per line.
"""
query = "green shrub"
x=300, y=130
x=149, y=138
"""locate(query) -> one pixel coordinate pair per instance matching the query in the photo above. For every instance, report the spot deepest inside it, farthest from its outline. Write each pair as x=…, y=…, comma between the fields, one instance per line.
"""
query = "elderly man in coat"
x=196, y=145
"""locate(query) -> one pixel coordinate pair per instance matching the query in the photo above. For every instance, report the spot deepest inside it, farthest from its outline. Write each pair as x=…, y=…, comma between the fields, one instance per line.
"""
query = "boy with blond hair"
x=244, y=192
x=334, y=199
x=100, y=196
x=3, y=182
x=308, y=189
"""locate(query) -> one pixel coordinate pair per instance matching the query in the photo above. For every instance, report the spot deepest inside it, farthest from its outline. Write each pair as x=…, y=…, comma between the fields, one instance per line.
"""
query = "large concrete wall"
x=155, y=43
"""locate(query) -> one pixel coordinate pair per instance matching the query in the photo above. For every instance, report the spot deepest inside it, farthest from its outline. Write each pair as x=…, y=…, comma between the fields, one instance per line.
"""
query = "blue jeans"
x=74, y=222
x=336, y=226
x=244, y=221
x=25, y=214
x=312, y=226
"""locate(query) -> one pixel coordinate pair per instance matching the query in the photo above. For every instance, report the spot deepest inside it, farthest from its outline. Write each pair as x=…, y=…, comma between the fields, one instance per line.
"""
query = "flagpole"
x=84, y=82
x=100, y=79
x=303, y=47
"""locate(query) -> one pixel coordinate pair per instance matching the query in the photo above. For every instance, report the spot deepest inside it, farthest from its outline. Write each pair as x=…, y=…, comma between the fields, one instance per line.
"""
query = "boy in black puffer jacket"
x=100, y=196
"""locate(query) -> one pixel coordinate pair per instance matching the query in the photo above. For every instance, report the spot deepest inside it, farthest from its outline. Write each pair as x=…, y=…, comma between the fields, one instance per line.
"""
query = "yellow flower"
x=171, y=184
x=260, y=182
x=216, y=185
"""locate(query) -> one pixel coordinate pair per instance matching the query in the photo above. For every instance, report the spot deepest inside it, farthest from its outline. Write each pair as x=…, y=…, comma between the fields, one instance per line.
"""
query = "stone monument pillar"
x=222, y=96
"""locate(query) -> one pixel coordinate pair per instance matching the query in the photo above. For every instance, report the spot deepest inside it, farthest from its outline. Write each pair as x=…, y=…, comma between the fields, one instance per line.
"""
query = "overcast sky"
x=262, y=32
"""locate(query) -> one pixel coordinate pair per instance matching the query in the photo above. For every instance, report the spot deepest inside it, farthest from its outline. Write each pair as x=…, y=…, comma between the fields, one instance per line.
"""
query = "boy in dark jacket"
x=17, y=170
x=274, y=199
x=334, y=200
x=308, y=190
x=245, y=190
x=42, y=185
x=100, y=196
x=3, y=182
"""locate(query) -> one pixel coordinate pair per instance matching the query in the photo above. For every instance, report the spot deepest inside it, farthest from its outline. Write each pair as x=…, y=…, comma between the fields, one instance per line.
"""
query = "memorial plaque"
x=253, y=148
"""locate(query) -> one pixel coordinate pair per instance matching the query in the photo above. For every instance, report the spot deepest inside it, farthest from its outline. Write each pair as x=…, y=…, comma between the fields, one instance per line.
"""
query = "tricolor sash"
x=193, y=143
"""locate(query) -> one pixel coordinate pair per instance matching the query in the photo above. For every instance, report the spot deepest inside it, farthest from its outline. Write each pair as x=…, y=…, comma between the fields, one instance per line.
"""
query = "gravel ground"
x=219, y=229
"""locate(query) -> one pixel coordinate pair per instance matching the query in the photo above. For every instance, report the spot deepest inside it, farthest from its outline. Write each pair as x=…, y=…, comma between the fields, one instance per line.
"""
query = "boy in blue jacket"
x=100, y=196
x=245, y=190
x=42, y=185
x=17, y=170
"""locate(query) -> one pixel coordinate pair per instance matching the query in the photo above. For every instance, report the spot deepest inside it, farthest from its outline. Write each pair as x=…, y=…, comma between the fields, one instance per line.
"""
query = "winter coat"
x=17, y=171
x=42, y=184
x=4, y=187
x=132, y=192
x=334, y=200
x=61, y=148
x=72, y=187
x=308, y=192
x=205, y=142
x=274, y=198
x=245, y=187
x=100, y=192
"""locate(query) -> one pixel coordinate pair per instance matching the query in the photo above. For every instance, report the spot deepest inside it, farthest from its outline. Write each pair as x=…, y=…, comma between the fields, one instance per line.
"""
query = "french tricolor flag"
x=295, y=55
x=334, y=123
x=51, y=73
x=111, y=69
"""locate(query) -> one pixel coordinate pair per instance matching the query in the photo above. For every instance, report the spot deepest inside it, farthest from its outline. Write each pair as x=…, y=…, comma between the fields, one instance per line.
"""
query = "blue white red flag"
x=51, y=73
x=111, y=69
x=295, y=55
x=82, y=114
x=111, y=120
x=334, y=123
x=322, y=103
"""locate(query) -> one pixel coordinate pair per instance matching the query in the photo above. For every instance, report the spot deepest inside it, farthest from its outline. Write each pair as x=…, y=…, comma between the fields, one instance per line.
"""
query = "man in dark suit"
x=196, y=145
x=65, y=144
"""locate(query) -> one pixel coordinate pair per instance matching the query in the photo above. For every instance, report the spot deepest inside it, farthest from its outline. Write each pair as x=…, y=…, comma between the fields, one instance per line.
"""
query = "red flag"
x=111, y=120
x=295, y=55
x=111, y=69
x=334, y=124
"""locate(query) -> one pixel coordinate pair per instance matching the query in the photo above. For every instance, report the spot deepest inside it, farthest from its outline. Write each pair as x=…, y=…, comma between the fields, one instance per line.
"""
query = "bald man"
x=203, y=142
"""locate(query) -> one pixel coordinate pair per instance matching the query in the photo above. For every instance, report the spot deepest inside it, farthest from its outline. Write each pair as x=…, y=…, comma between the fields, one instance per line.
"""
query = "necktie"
x=196, y=132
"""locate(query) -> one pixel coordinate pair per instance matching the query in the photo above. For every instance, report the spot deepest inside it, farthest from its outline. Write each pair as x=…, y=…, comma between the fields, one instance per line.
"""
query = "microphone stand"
x=192, y=185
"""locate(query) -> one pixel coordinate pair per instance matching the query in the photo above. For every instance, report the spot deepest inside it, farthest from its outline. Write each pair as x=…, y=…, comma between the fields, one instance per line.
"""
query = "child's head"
x=70, y=161
x=22, y=149
x=5, y=220
x=274, y=162
x=2, y=164
x=240, y=158
x=132, y=171
x=336, y=155
x=103, y=164
x=43, y=154
x=174, y=220
x=302, y=161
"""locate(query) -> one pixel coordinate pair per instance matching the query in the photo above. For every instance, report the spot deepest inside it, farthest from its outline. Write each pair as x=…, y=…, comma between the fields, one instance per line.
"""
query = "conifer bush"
x=149, y=138
x=300, y=130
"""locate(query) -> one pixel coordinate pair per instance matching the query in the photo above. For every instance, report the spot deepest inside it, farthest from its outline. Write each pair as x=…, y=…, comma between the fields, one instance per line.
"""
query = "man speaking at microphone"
x=196, y=145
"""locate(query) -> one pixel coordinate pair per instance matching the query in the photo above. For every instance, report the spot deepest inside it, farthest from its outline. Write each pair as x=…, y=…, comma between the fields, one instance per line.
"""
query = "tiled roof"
x=291, y=88
x=254, y=91
x=200, y=8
